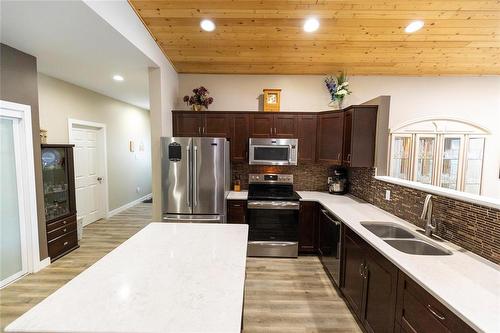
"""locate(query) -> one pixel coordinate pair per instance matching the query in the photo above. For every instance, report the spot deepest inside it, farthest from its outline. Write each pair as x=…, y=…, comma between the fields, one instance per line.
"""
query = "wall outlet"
x=387, y=195
x=138, y=189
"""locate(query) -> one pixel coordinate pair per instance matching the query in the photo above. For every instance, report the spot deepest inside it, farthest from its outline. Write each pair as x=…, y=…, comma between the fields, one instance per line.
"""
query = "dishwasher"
x=330, y=246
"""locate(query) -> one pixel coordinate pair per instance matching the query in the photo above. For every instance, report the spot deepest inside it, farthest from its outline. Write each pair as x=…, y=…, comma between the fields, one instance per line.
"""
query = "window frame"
x=410, y=153
x=416, y=140
x=466, y=154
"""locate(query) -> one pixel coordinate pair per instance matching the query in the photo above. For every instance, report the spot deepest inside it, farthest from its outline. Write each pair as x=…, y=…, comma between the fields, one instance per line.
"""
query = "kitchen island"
x=169, y=277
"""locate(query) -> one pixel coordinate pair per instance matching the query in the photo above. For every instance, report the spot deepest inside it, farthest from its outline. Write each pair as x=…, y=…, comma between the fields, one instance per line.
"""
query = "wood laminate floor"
x=281, y=295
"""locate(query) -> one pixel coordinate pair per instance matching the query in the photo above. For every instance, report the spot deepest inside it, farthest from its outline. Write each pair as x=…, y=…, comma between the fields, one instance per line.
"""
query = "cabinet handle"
x=199, y=130
x=435, y=313
x=361, y=269
x=275, y=131
x=338, y=156
x=64, y=222
x=348, y=157
x=236, y=205
x=65, y=243
x=203, y=130
x=365, y=272
x=271, y=130
x=64, y=229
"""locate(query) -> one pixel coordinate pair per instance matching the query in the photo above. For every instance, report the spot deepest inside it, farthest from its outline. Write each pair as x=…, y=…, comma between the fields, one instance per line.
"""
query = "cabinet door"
x=216, y=125
x=346, y=155
x=239, y=124
x=187, y=124
x=261, y=126
x=330, y=129
x=306, y=133
x=236, y=211
x=380, y=293
x=353, y=282
x=362, y=137
x=285, y=126
x=307, y=227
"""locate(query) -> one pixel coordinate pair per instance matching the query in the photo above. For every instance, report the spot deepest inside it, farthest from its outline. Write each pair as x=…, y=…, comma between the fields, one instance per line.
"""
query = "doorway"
x=19, y=252
x=91, y=185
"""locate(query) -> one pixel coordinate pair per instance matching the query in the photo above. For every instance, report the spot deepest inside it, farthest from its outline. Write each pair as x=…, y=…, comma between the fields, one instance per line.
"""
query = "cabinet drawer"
x=64, y=229
x=418, y=311
x=60, y=223
x=62, y=244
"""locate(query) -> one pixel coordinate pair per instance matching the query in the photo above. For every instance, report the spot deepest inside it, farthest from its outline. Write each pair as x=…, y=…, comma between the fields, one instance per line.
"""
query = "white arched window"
x=443, y=152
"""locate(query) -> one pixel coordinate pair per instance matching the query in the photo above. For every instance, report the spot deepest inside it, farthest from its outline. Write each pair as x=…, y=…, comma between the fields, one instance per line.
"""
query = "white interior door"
x=89, y=173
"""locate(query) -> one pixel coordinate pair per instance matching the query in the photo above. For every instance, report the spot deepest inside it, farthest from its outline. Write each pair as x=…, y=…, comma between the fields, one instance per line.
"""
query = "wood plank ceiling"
x=362, y=37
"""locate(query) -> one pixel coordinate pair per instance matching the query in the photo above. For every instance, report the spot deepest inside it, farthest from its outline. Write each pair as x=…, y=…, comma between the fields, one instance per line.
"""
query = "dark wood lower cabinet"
x=308, y=227
x=62, y=237
x=417, y=311
x=236, y=211
x=352, y=283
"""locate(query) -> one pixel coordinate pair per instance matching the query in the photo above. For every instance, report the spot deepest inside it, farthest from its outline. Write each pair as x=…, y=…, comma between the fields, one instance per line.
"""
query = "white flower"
x=342, y=92
x=345, y=84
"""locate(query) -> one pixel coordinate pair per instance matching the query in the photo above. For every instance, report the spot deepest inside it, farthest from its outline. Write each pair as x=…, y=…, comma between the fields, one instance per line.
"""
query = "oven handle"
x=337, y=223
x=290, y=205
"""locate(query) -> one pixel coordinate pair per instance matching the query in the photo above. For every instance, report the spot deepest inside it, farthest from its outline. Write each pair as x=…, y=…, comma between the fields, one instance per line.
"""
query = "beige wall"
x=476, y=99
x=60, y=100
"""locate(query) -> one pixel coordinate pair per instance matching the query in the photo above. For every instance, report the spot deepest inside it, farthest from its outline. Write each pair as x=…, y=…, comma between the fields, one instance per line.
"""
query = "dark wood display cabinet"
x=59, y=198
x=360, y=125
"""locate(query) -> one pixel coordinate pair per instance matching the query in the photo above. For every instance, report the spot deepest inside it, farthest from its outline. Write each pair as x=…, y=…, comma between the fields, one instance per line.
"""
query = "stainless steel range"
x=273, y=216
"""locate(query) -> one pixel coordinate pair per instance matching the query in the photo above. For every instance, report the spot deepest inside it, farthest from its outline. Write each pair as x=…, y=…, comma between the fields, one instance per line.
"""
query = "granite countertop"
x=241, y=195
x=466, y=283
x=169, y=277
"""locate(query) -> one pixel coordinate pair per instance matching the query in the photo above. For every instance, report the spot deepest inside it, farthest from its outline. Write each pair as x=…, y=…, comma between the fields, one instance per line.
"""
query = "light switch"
x=387, y=195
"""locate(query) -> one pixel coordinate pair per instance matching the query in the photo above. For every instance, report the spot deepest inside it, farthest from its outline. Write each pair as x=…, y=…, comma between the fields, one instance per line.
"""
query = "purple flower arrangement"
x=200, y=98
x=338, y=87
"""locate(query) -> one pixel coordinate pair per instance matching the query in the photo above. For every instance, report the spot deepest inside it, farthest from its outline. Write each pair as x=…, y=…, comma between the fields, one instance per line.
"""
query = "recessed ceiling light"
x=414, y=26
x=207, y=25
x=311, y=25
x=118, y=77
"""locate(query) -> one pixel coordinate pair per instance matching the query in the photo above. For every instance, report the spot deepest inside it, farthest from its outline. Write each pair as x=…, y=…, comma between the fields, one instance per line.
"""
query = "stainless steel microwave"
x=273, y=151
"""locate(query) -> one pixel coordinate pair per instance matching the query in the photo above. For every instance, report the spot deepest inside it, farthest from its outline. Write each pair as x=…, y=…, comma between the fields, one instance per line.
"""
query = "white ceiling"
x=72, y=43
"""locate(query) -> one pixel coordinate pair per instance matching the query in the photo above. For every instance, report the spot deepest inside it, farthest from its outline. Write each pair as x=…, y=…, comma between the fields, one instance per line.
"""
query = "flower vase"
x=336, y=104
x=197, y=107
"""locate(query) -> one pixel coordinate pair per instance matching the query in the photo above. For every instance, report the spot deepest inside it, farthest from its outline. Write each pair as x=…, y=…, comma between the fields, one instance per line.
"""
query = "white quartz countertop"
x=169, y=277
x=241, y=195
x=468, y=284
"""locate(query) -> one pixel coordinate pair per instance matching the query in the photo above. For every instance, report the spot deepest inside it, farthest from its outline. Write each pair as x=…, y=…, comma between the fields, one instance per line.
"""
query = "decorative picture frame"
x=272, y=100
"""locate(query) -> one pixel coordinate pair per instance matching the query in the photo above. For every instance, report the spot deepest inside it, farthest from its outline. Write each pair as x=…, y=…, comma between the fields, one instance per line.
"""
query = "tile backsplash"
x=306, y=176
x=473, y=227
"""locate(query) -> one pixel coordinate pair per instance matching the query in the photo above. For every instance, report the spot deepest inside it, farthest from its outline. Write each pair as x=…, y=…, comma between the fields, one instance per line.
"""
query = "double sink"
x=404, y=240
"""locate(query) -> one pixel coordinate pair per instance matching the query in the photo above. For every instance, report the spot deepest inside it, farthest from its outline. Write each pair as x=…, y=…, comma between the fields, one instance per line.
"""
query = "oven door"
x=273, y=228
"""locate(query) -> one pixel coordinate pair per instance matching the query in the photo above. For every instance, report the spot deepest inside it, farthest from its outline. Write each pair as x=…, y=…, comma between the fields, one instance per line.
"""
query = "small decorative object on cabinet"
x=59, y=197
x=199, y=100
x=43, y=135
x=272, y=100
x=338, y=87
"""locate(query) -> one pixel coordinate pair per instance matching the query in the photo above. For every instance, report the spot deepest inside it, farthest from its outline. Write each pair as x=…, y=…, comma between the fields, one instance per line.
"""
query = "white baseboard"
x=42, y=264
x=127, y=206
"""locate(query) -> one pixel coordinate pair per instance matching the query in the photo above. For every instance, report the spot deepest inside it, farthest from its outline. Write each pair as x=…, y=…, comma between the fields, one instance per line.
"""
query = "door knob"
x=99, y=179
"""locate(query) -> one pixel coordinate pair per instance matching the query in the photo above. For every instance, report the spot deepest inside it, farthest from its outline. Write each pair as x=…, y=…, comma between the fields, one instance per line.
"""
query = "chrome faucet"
x=430, y=228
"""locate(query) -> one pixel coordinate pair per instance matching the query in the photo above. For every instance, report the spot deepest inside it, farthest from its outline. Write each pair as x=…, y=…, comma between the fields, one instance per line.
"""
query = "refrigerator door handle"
x=195, y=172
x=188, y=176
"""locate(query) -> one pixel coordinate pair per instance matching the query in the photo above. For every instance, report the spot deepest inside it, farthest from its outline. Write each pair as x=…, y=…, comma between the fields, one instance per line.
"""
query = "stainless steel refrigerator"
x=195, y=179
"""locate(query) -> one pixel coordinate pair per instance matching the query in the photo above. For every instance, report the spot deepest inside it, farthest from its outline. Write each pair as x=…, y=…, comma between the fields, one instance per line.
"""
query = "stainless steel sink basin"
x=416, y=246
x=404, y=240
x=387, y=230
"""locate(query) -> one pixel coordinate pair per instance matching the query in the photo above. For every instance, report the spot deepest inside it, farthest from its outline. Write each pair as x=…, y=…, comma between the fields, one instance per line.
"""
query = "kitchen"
x=298, y=193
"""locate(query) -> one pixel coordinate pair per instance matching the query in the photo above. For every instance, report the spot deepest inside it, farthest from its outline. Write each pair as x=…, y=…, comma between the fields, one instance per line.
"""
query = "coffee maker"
x=337, y=182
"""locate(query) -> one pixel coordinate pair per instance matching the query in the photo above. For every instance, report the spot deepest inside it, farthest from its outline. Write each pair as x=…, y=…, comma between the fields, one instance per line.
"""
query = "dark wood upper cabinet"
x=360, y=124
x=187, y=123
x=329, y=137
x=308, y=225
x=216, y=125
x=239, y=125
x=262, y=125
x=285, y=126
x=306, y=133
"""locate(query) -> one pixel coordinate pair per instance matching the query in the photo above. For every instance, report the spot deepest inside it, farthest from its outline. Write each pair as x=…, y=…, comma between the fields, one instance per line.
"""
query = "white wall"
x=60, y=100
x=163, y=86
x=476, y=99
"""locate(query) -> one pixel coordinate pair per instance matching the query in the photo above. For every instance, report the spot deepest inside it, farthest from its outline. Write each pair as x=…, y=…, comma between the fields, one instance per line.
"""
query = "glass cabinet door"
x=425, y=159
x=55, y=183
x=401, y=153
x=450, y=163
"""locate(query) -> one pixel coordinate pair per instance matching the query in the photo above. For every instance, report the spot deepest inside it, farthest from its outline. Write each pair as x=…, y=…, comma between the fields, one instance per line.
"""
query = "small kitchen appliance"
x=337, y=183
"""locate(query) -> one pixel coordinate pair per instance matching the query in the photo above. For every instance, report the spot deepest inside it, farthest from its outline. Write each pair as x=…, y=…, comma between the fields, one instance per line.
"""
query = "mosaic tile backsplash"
x=306, y=176
x=475, y=228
